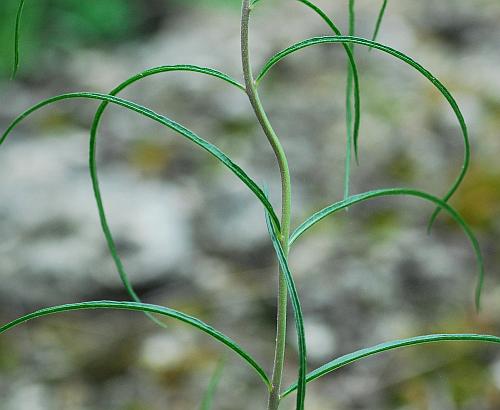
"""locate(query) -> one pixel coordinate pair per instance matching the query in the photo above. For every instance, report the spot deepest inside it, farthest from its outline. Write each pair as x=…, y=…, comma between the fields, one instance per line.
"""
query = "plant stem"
x=279, y=357
x=348, y=103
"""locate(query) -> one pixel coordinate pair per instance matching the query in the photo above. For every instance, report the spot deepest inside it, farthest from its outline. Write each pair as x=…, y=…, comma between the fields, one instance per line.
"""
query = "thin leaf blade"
x=208, y=397
x=354, y=199
x=352, y=89
x=17, y=38
x=406, y=59
x=380, y=17
x=174, y=126
x=93, y=162
x=148, y=308
x=383, y=347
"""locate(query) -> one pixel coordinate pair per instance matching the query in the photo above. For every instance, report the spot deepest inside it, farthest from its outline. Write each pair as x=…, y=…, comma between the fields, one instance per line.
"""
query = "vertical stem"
x=348, y=103
x=279, y=357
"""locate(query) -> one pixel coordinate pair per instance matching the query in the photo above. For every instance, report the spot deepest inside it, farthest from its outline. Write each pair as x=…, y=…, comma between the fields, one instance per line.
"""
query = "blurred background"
x=193, y=238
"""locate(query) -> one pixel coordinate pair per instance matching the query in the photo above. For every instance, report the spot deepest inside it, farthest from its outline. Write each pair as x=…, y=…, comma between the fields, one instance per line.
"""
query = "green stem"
x=348, y=103
x=279, y=357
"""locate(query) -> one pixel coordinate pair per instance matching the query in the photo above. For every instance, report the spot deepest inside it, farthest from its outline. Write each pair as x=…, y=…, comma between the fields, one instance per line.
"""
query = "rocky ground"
x=192, y=237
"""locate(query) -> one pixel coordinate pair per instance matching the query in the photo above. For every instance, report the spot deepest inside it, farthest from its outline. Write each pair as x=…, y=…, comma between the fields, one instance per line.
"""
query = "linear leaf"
x=403, y=57
x=379, y=20
x=297, y=310
x=354, y=199
x=144, y=307
x=209, y=395
x=212, y=149
x=17, y=35
x=93, y=164
x=352, y=86
x=360, y=354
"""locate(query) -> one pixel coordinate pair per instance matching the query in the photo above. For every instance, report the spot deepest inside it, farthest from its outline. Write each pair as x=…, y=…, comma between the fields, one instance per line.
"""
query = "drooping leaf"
x=354, y=199
x=352, y=86
x=93, y=165
x=174, y=126
x=403, y=57
x=144, y=307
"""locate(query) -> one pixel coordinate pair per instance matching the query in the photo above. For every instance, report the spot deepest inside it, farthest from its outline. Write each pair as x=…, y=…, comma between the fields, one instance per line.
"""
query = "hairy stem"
x=274, y=396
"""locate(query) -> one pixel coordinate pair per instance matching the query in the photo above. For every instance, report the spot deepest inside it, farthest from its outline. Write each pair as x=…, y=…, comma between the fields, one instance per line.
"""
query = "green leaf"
x=360, y=354
x=354, y=199
x=352, y=85
x=209, y=395
x=143, y=307
x=379, y=20
x=17, y=35
x=212, y=149
x=92, y=157
x=297, y=310
x=403, y=57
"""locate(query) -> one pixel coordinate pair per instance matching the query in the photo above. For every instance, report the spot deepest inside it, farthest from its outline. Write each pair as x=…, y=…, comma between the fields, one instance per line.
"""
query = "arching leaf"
x=403, y=57
x=93, y=165
x=144, y=307
x=331, y=209
x=383, y=347
x=212, y=149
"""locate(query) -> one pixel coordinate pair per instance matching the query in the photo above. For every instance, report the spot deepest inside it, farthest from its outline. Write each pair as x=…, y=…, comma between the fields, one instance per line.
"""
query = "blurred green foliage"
x=66, y=24
x=215, y=3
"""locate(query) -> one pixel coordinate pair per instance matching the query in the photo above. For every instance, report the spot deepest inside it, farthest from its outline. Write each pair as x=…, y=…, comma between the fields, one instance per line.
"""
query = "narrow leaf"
x=209, y=395
x=379, y=20
x=403, y=57
x=17, y=35
x=360, y=354
x=212, y=149
x=352, y=86
x=144, y=307
x=318, y=216
x=297, y=310
x=93, y=165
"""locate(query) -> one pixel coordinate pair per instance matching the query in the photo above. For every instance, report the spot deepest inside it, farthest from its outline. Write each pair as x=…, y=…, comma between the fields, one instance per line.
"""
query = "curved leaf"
x=360, y=354
x=297, y=310
x=92, y=157
x=17, y=35
x=144, y=307
x=352, y=85
x=212, y=149
x=354, y=199
x=403, y=57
